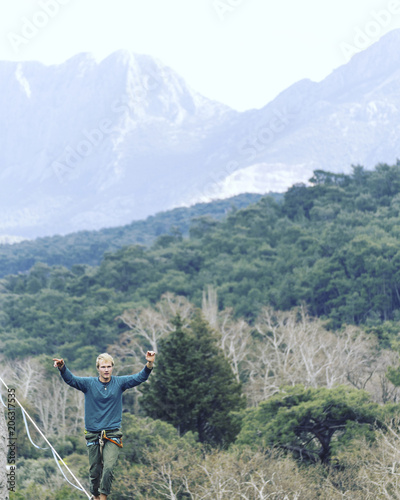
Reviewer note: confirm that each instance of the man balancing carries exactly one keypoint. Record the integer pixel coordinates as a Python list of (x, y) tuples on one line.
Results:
[(103, 416)]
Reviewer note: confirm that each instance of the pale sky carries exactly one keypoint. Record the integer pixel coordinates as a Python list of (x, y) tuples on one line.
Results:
[(239, 52)]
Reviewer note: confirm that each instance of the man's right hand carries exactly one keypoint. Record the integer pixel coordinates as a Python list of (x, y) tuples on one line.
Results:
[(58, 363)]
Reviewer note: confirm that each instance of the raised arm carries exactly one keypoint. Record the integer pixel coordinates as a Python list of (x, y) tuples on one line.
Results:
[(129, 381), (80, 383)]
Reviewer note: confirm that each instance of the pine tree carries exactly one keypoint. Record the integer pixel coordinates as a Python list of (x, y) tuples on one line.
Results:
[(193, 386), (313, 423)]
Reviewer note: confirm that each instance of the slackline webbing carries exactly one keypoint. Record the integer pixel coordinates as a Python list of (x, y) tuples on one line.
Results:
[(56, 456)]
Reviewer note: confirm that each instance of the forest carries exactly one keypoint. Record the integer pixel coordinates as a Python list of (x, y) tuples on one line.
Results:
[(88, 247), (287, 309)]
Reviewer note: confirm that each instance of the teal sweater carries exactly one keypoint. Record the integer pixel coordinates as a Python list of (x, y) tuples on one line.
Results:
[(103, 401)]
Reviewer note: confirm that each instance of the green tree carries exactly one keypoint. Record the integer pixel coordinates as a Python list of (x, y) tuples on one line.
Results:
[(311, 423), (140, 434), (193, 386)]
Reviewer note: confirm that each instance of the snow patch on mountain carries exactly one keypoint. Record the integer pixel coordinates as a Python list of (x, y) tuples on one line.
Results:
[(21, 79), (262, 178)]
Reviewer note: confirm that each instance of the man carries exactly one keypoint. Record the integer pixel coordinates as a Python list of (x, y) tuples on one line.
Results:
[(103, 416)]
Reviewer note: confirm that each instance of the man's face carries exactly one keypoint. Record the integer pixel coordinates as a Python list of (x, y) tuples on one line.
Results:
[(105, 371)]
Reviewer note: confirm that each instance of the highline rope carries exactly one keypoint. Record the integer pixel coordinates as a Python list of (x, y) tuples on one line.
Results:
[(56, 456)]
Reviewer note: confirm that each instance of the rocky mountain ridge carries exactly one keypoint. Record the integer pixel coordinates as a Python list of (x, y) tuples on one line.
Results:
[(86, 145)]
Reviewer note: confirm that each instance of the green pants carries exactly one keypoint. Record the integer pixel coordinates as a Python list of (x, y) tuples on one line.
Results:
[(101, 465)]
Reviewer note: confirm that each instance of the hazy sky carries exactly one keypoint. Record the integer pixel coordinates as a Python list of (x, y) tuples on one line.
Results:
[(239, 52)]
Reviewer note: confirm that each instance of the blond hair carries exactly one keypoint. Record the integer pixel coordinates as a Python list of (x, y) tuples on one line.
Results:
[(105, 357)]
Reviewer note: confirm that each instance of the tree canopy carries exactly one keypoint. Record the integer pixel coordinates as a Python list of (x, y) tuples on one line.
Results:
[(333, 245), (193, 386), (311, 423)]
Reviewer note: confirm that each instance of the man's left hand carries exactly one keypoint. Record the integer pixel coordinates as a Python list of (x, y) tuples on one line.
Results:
[(150, 356)]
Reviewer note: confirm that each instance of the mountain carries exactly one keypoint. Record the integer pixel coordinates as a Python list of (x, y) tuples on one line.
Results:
[(87, 145), (351, 117)]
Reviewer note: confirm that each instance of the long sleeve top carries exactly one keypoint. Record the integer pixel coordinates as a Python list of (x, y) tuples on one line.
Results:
[(103, 401)]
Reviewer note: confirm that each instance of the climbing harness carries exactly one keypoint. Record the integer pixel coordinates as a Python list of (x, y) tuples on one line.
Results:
[(103, 436), (56, 456), (101, 442)]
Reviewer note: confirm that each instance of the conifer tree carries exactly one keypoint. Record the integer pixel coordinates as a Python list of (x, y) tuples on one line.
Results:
[(193, 386), (312, 423)]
